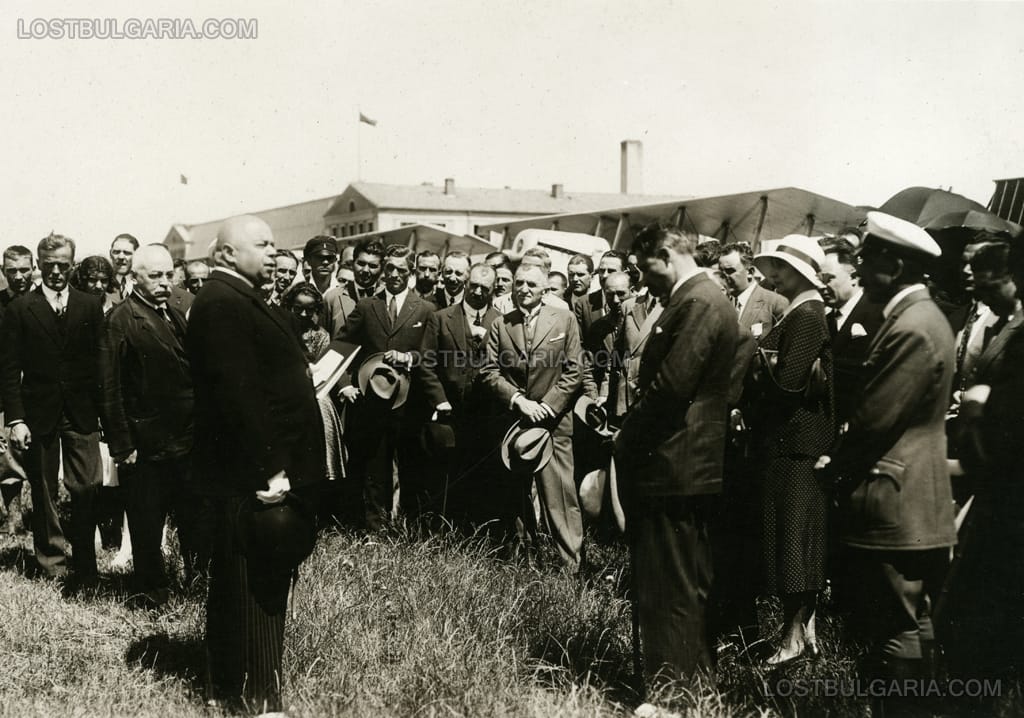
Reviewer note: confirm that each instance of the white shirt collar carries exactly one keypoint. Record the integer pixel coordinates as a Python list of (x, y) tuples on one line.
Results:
[(232, 272), (454, 298), (684, 277), (399, 299), (51, 296), (847, 308), (808, 295), (471, 313), (743, 297), (898, 297)]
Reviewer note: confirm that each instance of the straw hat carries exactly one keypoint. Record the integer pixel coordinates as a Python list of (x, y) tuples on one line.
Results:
[(798, 251)]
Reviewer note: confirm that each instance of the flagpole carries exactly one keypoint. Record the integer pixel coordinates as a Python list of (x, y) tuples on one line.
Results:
[(359, 146)]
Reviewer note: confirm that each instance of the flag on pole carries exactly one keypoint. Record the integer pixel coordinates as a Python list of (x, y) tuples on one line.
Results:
[(184, 179), (367, 120)]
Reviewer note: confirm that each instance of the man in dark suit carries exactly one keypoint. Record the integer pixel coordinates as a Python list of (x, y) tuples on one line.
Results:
[(147, 417), (258, 437), (122, 250), (454, 273), (17, 269), (534, 368), (451, 355), (580, 272), (895, 501), (428, 270), (367, 263), (393, 324), (759, 309), (592, 307), (853, 321), (670, 451), (50, 382), (604, 344)]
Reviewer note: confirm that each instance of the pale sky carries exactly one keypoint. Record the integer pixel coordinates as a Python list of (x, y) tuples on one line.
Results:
[(852, 100)]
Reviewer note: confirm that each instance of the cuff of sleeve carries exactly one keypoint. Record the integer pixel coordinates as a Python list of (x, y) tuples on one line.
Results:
[(512, 401)]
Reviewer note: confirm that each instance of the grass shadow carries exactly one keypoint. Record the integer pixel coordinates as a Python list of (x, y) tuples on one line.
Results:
[(178, 657)]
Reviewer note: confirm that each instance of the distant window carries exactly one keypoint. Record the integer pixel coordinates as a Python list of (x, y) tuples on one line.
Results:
[(344, 232), (369, 226), (361, 230), (476, 229), (352, 229), (351, 206)]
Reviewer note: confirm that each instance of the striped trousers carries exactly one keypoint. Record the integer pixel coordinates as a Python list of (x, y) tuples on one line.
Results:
[(245, 612)]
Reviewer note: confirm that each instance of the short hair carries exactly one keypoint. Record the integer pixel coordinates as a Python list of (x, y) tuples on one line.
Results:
[(505, 261), (656, 236), (992, 257), (560, 275), (427, 254), (289, 255), (844, 250), (131, 240), (582, 259), (16, 252), (52, 242), (541, 254), (744, 249), (398, 251), (298, 290), (708, 252), (457, 254), (179, 263), (370, 245), (615, 254), (93, 264)]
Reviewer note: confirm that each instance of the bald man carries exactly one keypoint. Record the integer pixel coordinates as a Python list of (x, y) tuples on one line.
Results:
[(147, 417), (258, 440)]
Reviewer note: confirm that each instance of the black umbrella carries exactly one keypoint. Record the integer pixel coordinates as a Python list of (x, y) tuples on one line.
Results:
[(974, 220), (921, 205)]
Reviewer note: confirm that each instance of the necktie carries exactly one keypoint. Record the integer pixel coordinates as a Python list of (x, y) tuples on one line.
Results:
[(965, 340), (165, 314), (61, 305), (478, 321), (833, 321), (529, 324), (393, 310)]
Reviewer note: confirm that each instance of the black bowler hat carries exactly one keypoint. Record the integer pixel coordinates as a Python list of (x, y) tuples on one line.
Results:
[(322, 244), (278, 536)]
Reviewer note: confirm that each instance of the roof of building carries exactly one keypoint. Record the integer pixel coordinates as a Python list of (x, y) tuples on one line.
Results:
[(291, 224), (481, 199)]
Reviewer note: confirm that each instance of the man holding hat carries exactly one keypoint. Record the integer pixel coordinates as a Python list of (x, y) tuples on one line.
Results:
[(670, 452), (320, 262), (534, 368), (390, 325), (896, 505), (258, 440)]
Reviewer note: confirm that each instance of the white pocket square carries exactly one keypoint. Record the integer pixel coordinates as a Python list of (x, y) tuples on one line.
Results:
[(757, 329), (555, 339), (417, 324), (858, 330), (658, 330)]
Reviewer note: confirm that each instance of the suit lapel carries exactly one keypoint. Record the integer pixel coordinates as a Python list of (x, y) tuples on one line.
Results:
[(515, 330), (456, 320), (44, 314), (911, 298), (410, 304), (996, 346), (545, 323)]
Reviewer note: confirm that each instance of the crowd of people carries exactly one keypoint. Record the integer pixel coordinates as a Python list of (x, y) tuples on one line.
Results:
[(807, 415)]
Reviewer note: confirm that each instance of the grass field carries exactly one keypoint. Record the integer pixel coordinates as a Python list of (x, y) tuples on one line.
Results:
[(393, 626)]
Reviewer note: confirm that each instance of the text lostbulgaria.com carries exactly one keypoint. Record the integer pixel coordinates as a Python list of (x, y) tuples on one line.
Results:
[(134, 28)]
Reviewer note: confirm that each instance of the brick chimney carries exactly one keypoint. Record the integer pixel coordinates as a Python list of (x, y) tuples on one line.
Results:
[(631, 167), (449, 186), (557, 191)]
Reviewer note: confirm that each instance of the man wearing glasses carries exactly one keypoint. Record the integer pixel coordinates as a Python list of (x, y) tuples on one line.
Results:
[(49, 378), (320, 262)]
